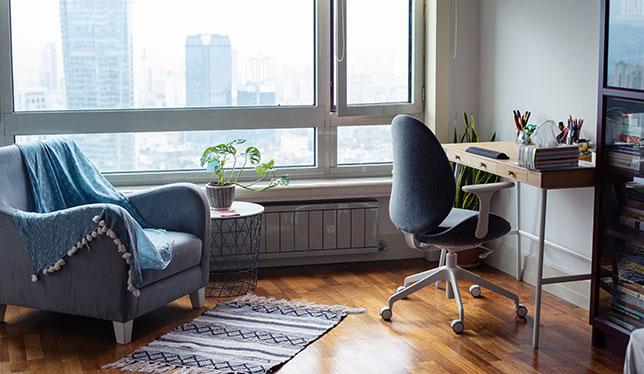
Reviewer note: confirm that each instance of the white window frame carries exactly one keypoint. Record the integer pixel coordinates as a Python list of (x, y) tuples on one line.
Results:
[(318, 116), (417, 22)]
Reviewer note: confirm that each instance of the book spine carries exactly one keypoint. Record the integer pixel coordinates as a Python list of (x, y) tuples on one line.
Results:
[(632, 313), (635, 195), (631, 222), (633, 212), (639, 205)]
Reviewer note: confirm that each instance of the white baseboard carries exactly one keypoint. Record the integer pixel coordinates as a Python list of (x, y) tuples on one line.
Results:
[(504, 259)]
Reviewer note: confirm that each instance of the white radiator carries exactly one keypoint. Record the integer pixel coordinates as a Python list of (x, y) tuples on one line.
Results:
[(319, 228)]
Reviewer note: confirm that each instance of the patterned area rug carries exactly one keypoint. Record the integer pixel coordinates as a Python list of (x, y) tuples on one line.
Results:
[(251, 334)]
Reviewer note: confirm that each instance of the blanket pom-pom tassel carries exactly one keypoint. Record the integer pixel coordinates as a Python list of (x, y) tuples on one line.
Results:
[(136, 292), (121, 248), (34, 278), (117, 241), (72, 251), (111, 234), (94, 234), (89, 237), (96, 219), (101, 224)]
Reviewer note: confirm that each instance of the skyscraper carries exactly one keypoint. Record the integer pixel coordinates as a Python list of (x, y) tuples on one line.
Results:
[(97, 53), (97, 59), (208, 70)]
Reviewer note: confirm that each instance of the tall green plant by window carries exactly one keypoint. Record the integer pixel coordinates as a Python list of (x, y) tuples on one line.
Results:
[(467, 175)]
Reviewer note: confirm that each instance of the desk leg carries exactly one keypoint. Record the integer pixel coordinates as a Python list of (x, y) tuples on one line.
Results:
[(537, 297), (518, 205)]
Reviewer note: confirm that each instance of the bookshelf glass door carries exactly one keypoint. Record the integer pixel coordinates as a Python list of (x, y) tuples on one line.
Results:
[(625, 64), (621, 271), (624, 120)]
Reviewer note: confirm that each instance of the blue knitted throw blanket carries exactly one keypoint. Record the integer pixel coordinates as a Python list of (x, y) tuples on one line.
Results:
[(75, 205)]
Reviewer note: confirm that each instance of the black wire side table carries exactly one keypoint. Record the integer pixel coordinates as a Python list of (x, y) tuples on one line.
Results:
[(234, 251)]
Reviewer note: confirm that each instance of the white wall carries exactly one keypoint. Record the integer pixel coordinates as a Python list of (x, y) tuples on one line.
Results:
[(464, 68), (542, 56)]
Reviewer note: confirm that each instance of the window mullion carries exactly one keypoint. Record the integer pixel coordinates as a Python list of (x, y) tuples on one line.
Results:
[(6, 97)]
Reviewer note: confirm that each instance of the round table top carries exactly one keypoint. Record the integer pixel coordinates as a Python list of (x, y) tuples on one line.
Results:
[(245, 209)]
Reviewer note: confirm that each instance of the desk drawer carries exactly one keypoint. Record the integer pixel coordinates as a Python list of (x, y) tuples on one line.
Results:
[(458, 157), (512, 172), (483, 163)]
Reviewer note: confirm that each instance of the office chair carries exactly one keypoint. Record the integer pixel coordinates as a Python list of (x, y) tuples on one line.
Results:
[(422, 197)]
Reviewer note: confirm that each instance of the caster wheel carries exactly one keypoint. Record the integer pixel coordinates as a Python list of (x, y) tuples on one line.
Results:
[(385, 313), (521, 310), (400, 289), (458, 326), (475, 290)]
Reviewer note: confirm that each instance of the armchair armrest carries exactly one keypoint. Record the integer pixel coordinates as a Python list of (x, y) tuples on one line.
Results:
[(175, 207), (484, 193)]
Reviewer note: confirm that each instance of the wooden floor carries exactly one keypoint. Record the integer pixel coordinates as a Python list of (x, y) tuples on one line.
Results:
[(417, 340)]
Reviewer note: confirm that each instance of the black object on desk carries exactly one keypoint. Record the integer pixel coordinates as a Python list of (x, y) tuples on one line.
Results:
[(487, 153)]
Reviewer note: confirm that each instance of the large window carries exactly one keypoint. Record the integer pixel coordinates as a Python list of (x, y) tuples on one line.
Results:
[(146, 85)]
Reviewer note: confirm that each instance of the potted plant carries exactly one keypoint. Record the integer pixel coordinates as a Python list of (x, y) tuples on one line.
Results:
[(221, 188)]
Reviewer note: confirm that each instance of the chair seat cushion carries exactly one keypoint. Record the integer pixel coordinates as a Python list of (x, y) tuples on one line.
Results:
[(186, 253), (458, 229)]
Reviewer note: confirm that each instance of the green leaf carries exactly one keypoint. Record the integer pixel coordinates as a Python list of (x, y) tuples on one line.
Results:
[(253, 155), (264, 168)]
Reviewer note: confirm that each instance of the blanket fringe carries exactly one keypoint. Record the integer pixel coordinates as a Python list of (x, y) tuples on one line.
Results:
[(101, 230), (271, 301)]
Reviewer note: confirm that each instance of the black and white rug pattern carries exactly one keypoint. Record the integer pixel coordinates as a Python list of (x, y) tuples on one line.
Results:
[(251, 334)]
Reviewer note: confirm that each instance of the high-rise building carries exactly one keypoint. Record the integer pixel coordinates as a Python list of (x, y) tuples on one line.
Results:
[(208, 70), (97, 53), (49, 67)]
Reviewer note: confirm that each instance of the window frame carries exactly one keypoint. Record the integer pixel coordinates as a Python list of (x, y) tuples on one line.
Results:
[(415, 106), (320, 115)]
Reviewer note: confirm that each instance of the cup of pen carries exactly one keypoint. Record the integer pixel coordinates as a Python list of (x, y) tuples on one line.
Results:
[(524, 130)]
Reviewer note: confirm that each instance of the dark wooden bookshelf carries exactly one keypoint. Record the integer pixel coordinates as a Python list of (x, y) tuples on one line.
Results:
[(620, 120)]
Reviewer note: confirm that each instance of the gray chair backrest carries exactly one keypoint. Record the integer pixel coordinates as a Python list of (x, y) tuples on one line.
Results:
[(15, 191), (423, 188)]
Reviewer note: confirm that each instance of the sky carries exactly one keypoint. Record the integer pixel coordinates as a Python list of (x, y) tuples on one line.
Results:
[(283, 29)]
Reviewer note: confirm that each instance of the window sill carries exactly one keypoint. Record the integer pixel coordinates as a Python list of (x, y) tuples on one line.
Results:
[(311, 189)]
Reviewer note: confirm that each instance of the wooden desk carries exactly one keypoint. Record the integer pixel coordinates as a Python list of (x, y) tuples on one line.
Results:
[(544, 180)]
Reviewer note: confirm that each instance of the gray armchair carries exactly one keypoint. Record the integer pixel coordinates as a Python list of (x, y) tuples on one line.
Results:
[(93, 284)]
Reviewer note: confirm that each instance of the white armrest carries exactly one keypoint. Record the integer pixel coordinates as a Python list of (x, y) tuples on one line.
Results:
[(484, 192), (413, 243)]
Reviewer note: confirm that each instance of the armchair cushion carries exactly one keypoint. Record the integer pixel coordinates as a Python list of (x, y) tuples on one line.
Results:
[(186, 253)]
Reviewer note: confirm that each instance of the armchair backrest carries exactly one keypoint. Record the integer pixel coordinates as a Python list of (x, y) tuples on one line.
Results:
[(14, 181), (423, 187)]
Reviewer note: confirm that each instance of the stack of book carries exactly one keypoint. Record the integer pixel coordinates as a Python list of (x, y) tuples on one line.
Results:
[(627, 306), (562, 157), (629, 156), (632, 214)]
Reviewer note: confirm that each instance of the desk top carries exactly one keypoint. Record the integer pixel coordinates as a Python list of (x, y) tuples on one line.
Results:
[(584, 176)]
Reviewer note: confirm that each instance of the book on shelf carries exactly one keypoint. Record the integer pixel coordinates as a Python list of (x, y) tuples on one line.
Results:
[(630, 268), (622, 320), (634, 223), (629, 156), (551, 158)]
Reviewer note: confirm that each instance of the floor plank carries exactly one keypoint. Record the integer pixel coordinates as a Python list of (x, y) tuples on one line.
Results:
[(417, 340)]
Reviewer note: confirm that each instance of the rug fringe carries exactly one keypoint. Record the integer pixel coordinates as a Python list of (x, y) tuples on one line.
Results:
[(130, 364), (271, 301)]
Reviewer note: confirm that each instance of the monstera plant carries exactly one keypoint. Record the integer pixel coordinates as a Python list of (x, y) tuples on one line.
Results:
[(217, 160)]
